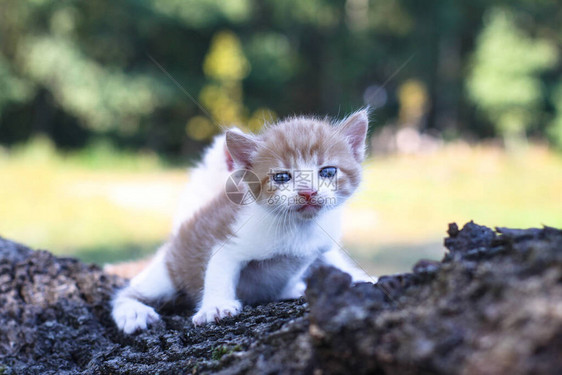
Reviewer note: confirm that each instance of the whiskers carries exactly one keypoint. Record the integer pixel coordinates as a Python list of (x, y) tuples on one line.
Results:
[(283, 220)]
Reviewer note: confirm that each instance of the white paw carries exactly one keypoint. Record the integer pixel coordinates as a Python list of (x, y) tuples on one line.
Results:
[(213, 312), (294, 291), (131, 315)]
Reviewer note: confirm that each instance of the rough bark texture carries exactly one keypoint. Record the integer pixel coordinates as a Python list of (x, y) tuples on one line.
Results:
[(492, 306)]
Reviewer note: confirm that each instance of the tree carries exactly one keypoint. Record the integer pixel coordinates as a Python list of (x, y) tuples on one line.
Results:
[(504, 80)]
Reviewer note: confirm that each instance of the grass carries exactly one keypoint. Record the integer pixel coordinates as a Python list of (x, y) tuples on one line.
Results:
[(405, 203), (412, 198), (75, 204), (105, 206)]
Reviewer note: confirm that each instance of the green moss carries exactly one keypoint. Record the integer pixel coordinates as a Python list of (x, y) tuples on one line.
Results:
[(223, 350)]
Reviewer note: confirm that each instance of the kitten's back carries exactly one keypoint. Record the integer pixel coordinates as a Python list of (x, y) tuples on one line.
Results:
[(206, 182)]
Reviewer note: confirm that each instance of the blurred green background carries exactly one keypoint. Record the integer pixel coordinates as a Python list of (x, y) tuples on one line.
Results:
[(97, 120)]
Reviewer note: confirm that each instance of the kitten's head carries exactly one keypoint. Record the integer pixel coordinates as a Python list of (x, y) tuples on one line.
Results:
[(305, 165)]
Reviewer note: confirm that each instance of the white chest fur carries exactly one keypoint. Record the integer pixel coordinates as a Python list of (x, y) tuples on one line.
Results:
[(258, 235), (274, 252), (264, 260)]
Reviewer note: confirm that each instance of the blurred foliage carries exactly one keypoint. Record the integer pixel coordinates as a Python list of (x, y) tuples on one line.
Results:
[(99, 155), (555, 129), (412, 95), (79, 71), (505, 79), (226, 66)]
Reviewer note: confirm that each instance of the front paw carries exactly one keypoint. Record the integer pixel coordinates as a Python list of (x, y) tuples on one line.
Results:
[(131, 315), (213, 312)]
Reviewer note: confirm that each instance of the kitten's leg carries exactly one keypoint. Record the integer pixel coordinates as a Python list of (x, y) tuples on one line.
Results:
[(293, 290), (153, 283), (219, 292), (296, 286), (335, 257)]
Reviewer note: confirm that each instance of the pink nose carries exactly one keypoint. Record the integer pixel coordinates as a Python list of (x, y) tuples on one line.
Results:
[(307, 194)]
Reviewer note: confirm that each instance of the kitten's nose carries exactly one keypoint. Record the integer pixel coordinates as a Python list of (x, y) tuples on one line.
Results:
[(307, 194)]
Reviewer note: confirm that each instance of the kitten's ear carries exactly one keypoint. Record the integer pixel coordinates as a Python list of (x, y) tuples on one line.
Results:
[(241, 147), (354, 128)]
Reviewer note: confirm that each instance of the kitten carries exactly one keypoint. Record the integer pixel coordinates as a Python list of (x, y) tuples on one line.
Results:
[(225, 251)]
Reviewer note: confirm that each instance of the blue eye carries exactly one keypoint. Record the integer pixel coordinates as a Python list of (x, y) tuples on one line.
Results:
[(328, 172), (281, 177)]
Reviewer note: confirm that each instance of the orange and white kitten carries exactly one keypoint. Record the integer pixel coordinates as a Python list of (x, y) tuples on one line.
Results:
[(226, 251)]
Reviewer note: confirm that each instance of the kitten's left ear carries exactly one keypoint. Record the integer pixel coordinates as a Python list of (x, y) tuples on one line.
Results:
[(354, 128), (241, 147)]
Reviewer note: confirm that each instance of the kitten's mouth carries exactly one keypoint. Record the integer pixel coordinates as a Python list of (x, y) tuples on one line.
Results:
[(309, 208)]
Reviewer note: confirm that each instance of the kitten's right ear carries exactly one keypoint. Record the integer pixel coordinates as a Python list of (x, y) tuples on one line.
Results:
[(241, 147), (354, 128)]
